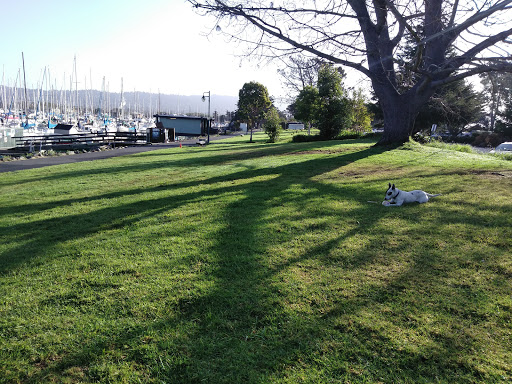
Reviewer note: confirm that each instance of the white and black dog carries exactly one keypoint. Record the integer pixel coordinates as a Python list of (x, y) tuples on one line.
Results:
[(396, 197)]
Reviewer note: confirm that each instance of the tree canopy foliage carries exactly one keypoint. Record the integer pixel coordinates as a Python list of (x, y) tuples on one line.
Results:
[(453, 106), (333, 111), (497, 90), (458, 39), (360, 115), (272, 124), (329, 105), (253, 104), (305, 106)]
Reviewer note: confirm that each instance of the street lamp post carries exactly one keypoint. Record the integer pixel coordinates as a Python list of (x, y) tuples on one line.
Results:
[(207, 95)]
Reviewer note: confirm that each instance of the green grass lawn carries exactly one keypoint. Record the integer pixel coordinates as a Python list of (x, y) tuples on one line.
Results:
[(258, 263)]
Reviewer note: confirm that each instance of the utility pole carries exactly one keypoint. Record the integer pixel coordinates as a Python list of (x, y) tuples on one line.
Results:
[(207, 95)]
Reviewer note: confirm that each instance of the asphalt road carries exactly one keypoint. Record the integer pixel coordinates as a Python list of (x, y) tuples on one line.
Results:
[(18, 165)]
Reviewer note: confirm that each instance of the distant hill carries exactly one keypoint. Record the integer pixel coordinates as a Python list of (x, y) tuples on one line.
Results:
[(134, 101), (178, 104)]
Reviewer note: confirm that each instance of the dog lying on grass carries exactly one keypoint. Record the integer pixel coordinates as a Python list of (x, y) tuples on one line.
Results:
[(396, 197)]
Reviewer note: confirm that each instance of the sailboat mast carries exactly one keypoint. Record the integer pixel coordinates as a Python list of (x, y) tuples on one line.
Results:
[(76, 90), (91, 92), (108, 100), (101, 98), (86, 95), (122, 100), (25, 84), (3, 88)]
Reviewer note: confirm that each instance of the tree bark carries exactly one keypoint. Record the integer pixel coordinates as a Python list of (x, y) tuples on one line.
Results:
[(398, 122), (400, 111), (440, 29)]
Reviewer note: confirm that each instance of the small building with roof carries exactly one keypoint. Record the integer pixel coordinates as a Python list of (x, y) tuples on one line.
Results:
[(170, 126)]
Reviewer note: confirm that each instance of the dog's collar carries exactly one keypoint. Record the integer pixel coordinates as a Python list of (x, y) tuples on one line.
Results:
[(394, 197)]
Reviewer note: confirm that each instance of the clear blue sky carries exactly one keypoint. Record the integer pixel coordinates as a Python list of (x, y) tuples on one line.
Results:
[(151, 44)]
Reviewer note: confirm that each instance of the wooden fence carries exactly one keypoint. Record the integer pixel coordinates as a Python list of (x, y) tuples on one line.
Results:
[(40, 142)]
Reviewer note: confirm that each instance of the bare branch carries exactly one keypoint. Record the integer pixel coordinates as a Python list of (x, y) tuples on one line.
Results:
[(472, 53), (472, 72), (456, 30), (406, 48), (402, 20), (454, 13)]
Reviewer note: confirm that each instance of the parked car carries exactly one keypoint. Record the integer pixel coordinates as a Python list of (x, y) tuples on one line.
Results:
[(505, 147)]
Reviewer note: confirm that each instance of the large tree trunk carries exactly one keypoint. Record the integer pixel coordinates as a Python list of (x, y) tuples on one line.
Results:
[(400, 113), (399, 116)]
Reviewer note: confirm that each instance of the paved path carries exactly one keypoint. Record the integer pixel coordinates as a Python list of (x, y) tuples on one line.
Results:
[(18, 165)]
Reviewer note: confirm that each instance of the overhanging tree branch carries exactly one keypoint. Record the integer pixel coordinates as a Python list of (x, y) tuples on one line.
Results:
[(454, 31), (357, 34), (472, 53), (259, 23)]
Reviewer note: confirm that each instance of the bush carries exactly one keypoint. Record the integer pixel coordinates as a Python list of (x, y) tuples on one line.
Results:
[(504, 129), (355, 134), (452, 147), (488, 140), (463, 139), (306, 138), (420, 138), (272, 125), (503, 156), (344, 135), (334, 108)]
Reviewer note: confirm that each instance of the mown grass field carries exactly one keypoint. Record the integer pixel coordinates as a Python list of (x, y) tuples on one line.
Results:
[(258, 263)]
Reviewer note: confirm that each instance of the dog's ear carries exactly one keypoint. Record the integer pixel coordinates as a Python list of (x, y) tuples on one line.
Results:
[(393, 187), (389, 185)]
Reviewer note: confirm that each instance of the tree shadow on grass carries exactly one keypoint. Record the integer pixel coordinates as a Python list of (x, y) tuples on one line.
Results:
[(145, 161), (242, 328), (38, 240), (48, 231), (264, 338)]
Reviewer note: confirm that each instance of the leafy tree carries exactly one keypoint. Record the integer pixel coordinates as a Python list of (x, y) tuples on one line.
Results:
[(333, 112), (253, 104), (504, 124), (305, 107), (497, 88), (361, 118), (454, 106), (272, 124), (368, 36)]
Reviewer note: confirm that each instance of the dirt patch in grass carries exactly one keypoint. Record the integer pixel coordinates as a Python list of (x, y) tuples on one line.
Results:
[(491, 174), (45, 363), (396, 172), (327, 151), (371, 171)]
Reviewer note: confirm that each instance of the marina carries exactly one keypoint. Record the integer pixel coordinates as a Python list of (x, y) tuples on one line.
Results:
[(49, 110)]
